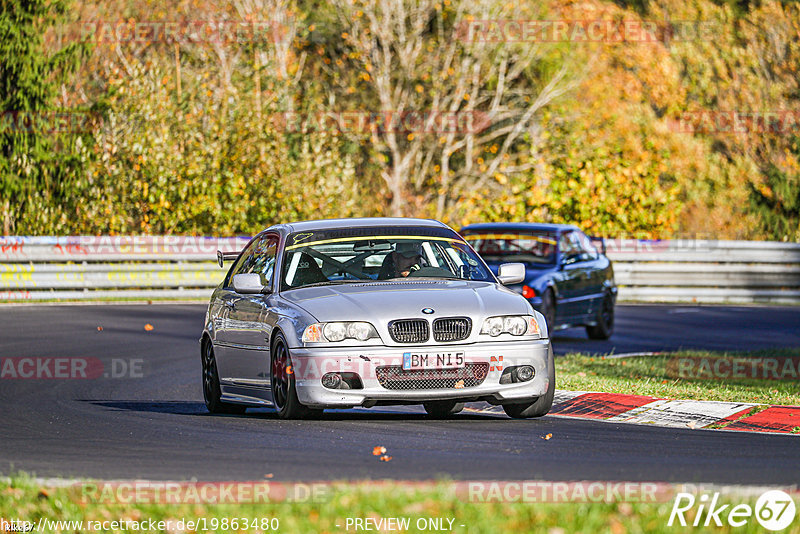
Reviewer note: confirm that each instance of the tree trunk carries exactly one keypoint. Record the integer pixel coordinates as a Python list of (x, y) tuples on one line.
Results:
[(395, 181), (6, 218)]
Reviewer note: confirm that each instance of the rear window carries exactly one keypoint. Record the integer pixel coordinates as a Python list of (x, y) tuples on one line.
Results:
[(526, 247)]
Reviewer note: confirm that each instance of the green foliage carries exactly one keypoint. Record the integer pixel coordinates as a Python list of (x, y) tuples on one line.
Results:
[(192, 141), (37, 168), (206, 162), (776, 201)]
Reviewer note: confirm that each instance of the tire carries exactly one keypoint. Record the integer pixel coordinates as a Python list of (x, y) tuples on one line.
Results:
[(211, 390), (282, 380), (541, 405), (549, 309), (443, 409), (605, 320)]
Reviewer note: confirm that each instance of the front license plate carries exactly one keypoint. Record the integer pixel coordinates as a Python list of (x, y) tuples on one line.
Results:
[(432, 360)]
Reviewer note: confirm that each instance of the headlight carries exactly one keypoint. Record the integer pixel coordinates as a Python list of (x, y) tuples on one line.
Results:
[(338, 331), (360, 331), (516, 325), (313, 333), (334, 331)]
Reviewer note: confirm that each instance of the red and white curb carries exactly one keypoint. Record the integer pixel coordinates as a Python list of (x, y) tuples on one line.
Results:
[(646, 410)]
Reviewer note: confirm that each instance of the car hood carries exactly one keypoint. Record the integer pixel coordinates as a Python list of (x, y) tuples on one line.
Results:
[(386, 301)]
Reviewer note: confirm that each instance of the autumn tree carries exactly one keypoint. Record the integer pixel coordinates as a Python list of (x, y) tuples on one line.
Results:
[(476, 97), (776, 200), (39, 156), (187, 144)]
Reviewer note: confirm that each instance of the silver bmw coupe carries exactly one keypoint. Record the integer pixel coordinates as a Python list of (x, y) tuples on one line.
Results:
[(370, 312)]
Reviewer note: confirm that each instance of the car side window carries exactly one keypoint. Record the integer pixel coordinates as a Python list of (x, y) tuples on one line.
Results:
[(587, 247), (244, 258), (569, 247), (259, 257)]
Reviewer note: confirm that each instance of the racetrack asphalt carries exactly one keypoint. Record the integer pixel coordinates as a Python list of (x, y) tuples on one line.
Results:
[(155, 426)]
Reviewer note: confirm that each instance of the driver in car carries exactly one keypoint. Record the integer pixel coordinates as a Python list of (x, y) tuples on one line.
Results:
[(402, 261)]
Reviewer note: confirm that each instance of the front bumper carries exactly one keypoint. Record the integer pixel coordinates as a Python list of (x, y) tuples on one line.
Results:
[(311, 363)]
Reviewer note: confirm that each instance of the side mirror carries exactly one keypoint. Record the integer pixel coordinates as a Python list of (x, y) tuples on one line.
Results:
[(225, 256), (511, 273), (246, 283)]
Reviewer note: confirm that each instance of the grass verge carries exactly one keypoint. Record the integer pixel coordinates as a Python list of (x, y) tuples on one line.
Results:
[(23, 499), (699, 375)]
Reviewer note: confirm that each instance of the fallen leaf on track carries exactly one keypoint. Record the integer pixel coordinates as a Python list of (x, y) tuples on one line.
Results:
[(385, 458), (548, 436), (377, 451), (148, 327), (99, 328)]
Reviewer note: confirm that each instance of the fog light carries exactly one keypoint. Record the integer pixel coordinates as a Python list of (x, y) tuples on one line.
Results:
[(524, 373), (331, 380)]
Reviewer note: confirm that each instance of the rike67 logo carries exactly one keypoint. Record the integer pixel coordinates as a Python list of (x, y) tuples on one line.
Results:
[(774, 510)]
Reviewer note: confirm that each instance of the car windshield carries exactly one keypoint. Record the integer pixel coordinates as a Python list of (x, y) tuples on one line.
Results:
[(527, 246), (376, 254)]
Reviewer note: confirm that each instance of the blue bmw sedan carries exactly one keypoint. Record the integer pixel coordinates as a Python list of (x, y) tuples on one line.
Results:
[(568, 280)]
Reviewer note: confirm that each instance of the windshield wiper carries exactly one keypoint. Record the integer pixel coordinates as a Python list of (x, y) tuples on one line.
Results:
[(413, 278)]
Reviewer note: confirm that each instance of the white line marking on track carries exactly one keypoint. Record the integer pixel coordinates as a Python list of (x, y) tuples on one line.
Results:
[(679, 413)]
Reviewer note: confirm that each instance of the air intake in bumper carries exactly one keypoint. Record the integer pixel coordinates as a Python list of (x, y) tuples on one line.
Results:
[(394, 377)]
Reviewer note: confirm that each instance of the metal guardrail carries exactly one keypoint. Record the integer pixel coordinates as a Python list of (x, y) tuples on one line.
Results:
[(111, 267), (706, 271), (152, 267)]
